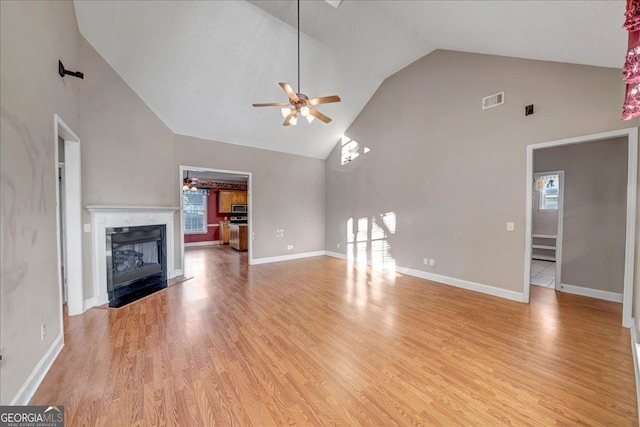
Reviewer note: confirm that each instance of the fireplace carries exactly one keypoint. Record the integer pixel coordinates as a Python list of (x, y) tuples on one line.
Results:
[(141, 220), (136, 262)]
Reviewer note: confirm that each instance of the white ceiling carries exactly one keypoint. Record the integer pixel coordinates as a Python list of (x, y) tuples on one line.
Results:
[(201, 64)]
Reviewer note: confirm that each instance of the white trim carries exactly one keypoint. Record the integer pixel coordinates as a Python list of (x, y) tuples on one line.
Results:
[(29, 387), (560, 231), (545, 236), (206, 243), (464, 284), (335, 255), (630, 244), (89, 303), (120, 208), (632, 188), (213, 225), (73, 218), (177, 273), (589, 292), (267, 260), (635, 349), (451, 281)]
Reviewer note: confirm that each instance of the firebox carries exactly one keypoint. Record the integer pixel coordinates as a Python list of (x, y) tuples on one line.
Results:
[(136, 262)]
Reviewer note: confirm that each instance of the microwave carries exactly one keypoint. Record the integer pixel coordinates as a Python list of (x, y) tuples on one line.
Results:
[(239, 209)]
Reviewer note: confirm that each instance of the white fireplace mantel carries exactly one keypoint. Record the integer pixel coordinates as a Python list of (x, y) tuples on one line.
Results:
[(106, 216)]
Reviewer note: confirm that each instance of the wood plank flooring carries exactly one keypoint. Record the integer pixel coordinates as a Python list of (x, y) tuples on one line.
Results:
[(320, 341)]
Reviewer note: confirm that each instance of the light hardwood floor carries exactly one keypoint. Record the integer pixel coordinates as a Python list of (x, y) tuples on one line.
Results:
[(320, 341)]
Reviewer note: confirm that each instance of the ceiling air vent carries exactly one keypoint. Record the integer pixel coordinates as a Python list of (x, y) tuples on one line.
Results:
[(493, 100)]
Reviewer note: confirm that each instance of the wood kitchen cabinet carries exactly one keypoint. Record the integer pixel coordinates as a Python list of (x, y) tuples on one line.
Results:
[(224, 232), (238, 237), (228, 198)]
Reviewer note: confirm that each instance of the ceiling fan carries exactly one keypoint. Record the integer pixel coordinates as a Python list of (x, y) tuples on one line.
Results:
[(300, 103)]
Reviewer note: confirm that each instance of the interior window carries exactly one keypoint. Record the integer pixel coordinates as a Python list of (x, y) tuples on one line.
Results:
[(195, 211)]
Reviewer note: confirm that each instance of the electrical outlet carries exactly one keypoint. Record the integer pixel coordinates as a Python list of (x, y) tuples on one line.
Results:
[(43, 331), (511, 226), (425, 261), (432, 262), (338, 246), (289, 247)]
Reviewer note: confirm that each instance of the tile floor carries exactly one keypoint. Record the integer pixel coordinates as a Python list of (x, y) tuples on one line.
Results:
[(543, 273)]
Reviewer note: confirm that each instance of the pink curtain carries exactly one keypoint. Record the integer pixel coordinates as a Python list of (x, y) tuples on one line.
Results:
[(631, 69)]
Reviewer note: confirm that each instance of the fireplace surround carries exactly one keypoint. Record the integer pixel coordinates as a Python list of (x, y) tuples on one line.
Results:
[(127, 221)]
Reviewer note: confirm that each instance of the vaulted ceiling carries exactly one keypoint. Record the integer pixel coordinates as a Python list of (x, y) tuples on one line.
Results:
[(200, 65)]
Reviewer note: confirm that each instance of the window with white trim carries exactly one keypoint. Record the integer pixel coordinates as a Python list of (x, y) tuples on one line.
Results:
[(349, 150), (549, 189), (195, 211)]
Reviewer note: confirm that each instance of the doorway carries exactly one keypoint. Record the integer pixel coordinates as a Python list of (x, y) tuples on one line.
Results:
[(69, 217), (630, 135), (546, 228), (215, 210)]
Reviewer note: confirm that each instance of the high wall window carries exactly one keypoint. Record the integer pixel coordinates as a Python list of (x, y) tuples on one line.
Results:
[(349, 150), (195, 211)]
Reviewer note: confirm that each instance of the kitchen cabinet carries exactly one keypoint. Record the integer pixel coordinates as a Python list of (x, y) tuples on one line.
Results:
[(224, 232), (238, 236), (228, 198)]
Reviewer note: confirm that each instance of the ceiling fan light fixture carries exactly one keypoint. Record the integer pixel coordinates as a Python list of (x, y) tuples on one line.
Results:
[(299, 100)]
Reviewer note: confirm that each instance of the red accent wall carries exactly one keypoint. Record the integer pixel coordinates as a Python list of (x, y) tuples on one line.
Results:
[(213, 233)]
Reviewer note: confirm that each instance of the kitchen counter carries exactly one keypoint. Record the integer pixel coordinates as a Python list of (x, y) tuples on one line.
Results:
[(238, 236)]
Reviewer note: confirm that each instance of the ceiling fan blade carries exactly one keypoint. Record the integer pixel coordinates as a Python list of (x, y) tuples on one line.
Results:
[(318, 115), (273, 104), (287, 121), (323, 100), (290, 93)]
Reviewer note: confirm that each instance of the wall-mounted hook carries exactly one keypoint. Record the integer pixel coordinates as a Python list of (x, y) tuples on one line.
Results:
[(62, 71)]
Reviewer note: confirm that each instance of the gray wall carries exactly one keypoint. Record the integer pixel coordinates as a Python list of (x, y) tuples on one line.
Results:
[(127, 151), (129, 157), (453, 173), (288, 192), (595, 193), (34, 35)]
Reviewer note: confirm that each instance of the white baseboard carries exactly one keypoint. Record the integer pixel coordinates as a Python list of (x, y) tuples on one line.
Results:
[(593, 293), (206, 243), (451, 281), (88, 303), (635, 348), (32, 383), (266, 260), (176, 273), (464, 284), (335, 254)]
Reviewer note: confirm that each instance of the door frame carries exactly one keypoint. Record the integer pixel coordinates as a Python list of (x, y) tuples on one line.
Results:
[(181, 171), (632, 187), (73, 217), (559, 225)]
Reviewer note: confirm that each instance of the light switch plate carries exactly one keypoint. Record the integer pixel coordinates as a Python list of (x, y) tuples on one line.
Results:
[(87, 228), (511, 226)]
